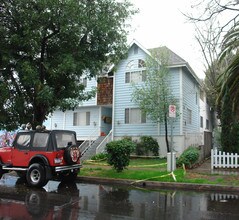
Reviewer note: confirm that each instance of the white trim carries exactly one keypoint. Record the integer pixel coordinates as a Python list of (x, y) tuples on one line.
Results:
[(113, 107), (181, 99), (140, 46)]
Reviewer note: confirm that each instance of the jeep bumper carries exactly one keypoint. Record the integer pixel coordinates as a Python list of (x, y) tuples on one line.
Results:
[(70, 167)]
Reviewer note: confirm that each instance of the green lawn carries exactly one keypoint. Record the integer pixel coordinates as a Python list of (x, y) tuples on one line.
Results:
[(153, 170)]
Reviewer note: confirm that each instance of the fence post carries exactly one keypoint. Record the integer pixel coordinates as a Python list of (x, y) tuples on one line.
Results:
[(212, 158)]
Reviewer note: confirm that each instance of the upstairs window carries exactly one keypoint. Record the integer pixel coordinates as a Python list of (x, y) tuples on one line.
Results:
[(135, 76), (134, 116), (141, 63), (136, 49), (130, 65), (207, 124), (201, 121)]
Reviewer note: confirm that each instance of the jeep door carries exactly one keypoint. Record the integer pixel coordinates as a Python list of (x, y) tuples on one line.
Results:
[(21, 149)]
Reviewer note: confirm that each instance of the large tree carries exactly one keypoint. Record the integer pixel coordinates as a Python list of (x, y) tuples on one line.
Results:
[(213, 19), (154, 96), (47, 46)]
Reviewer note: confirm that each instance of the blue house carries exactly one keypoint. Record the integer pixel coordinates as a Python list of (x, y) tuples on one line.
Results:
[(112, 114)]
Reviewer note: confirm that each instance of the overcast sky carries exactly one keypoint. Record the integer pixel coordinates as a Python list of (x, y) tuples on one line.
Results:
[(161, 23)]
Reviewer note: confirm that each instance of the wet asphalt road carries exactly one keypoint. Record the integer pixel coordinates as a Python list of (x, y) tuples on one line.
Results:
[(59, 200)]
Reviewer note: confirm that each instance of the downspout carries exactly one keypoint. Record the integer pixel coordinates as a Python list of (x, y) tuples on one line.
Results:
[(113, 109)]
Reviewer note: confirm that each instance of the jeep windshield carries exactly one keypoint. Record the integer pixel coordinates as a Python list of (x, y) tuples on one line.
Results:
[(64, 139)]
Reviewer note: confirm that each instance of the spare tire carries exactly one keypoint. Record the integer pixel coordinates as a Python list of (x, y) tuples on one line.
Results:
[(72, 154)]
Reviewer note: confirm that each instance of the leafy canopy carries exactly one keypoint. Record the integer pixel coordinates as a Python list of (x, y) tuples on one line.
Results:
[(47, 46)]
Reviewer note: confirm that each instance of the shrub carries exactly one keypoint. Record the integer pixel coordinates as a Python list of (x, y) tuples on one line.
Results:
[(119, 153), (189, 157), (147, 144), (100, 156)]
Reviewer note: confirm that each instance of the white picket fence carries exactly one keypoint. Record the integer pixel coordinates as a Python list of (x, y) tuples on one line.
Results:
[(221, 159)]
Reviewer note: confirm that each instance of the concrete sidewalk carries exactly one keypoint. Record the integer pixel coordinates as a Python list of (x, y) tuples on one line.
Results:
[(205, 168)]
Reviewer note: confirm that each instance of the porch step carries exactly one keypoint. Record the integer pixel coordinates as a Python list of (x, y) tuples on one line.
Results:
[(91, 151)]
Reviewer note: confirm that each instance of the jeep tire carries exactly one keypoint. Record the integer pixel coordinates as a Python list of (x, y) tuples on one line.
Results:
[(72, 154), (36, 175)]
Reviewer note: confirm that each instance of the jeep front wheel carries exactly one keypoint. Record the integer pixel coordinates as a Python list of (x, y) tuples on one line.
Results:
[(36, 175)]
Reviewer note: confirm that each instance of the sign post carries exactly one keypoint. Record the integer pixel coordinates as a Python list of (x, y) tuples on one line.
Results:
[(172, 115)]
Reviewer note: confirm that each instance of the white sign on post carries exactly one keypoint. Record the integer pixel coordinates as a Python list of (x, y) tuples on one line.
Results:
[(172, 111)]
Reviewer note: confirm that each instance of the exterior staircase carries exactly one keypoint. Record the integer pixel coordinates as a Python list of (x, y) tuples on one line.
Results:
[(88, 148)]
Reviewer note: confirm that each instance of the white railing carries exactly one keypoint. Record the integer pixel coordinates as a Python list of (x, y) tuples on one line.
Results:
[(89, 141), (106, 140), (221, 159)]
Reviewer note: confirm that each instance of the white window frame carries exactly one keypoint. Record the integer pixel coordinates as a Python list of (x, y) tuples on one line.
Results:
[(81, 118), (135, 76), (134, 116)]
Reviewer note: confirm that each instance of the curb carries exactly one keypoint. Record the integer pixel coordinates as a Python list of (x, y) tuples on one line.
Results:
[(158, 185)]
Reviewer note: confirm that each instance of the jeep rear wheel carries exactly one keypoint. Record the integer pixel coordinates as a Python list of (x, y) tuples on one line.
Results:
[(36, 175), (72, 154)]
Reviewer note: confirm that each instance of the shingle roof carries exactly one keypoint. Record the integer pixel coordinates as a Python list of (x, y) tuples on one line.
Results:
[(174, 59)]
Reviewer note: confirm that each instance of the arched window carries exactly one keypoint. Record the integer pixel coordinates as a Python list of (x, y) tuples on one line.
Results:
[(130, 65)]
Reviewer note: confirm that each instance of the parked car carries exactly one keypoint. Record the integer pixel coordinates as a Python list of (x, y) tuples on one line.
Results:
[(42, 155)]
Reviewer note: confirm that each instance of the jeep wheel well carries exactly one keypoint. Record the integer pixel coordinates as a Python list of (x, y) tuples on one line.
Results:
[(39, 159)]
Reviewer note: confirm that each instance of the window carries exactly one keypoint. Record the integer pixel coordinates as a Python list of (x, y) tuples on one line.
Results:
[(130, 65), (83, 81), (207, 124), (136, 49), (81, 118), (202, 95), (201, 121), (189, 116), (40, 140), (134, 116), (24, 140), (141, 63), (135, 77), (64, 139)]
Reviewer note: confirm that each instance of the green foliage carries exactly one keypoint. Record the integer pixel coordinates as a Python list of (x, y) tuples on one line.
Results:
[(119, 153), (146, 145), (154, 96), (189, 157), (100, 156), (46, 49), (230, 128)]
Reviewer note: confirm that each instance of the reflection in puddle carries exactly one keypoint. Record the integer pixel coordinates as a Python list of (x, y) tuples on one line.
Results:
[(61, 200)]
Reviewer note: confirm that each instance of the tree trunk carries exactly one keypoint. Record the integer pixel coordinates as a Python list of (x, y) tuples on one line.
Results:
[(166, 132)]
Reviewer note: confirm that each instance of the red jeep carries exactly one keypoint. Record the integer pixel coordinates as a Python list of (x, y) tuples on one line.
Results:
[(40, 156)]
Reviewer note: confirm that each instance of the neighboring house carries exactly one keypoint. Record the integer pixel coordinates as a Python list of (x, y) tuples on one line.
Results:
[(113, 110)]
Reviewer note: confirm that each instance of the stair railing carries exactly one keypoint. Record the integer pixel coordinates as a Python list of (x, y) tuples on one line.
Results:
[(107, 139), (89, 141)]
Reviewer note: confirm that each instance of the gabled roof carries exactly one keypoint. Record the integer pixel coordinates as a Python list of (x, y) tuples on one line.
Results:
[(174, 59)]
